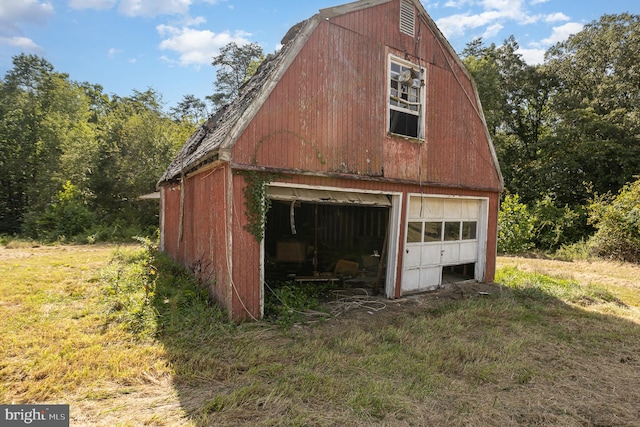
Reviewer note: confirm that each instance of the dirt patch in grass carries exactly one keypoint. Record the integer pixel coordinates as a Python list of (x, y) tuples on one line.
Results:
[(358, 305)]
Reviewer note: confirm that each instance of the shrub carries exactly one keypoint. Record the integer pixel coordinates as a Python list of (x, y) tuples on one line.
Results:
[(617, 221), (581, 250), (555, 226), (148, 294), (130, 288), (67, 217), (515, 226)]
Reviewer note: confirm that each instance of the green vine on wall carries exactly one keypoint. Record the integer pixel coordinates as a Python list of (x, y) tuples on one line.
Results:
[(256, 202)]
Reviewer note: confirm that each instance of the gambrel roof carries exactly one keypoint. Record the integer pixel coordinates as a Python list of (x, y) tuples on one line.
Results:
[(215, 138), (222, 129)]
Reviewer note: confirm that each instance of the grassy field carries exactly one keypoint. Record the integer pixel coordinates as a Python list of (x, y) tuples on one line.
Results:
[(126, 339)]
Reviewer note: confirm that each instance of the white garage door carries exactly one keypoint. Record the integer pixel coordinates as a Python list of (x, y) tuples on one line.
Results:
[(442, 232)]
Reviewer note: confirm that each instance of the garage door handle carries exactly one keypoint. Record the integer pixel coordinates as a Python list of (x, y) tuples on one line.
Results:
[(407, 250)]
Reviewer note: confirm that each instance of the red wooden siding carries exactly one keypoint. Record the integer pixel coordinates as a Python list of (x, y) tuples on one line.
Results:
[(170, 213), (328, 112), (245, 286), (203, 247), (327, 115), (208, 211), (314, 119)]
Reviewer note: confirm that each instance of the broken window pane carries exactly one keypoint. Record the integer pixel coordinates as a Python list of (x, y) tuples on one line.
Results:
[(403, 124), (405, 109)]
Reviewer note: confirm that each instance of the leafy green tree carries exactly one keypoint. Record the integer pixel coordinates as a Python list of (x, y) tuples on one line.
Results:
[(555, 226), (68, 151), (515, 98), (136, 142), (481, 61), (190, 108), (515, 226), (236, 64), (68, 216), (617, 221), (596, 141), (40, 111), (567, 128)]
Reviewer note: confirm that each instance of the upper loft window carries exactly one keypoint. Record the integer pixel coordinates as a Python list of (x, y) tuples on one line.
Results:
[(406, 99), (407, 17)]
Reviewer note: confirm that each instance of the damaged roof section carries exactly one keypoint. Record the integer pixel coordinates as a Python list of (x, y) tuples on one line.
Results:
[(223, 127)]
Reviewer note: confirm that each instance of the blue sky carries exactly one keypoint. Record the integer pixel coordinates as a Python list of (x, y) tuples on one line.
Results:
[(168, 44)]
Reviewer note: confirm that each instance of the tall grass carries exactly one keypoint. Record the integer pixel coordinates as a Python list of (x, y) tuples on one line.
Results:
[(538, 349), (541, 288)]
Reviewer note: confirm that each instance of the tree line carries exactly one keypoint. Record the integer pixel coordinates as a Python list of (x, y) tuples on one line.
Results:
[(567, 135), (75, 160), (566, 132)]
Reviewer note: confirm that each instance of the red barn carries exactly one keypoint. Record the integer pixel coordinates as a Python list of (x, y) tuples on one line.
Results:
[(360, 148)]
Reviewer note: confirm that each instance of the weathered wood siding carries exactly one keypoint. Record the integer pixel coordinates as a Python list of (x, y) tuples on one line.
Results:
[(327, 118), (211, 253), (329, 111), (246, 286), (203, 248)]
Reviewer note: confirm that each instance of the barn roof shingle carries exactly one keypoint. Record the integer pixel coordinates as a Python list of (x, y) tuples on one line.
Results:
[(218, 131)]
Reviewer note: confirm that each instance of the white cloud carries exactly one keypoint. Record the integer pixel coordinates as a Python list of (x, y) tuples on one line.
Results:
[(506, 8), (532, 56), (456, 25), (15, 13), (457, 3), (536, 51), (113, 52), (562, 33), (154, 7), (495, 13), (196, 47), (556, 17), (492, 31), (193, 22), (534, 2), (92, 4), (22, 43)]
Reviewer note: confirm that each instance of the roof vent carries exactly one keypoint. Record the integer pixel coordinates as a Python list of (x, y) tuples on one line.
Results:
[(407, 17)]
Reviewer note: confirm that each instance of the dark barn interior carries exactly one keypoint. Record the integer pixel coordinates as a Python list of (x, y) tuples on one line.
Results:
[(316, 242)]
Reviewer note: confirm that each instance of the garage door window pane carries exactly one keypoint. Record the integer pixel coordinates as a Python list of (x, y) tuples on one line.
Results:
[(451, 231), (414, 232), (469, 230), (432, 231)]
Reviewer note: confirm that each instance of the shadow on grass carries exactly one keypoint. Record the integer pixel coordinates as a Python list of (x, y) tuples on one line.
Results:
[(534, 352)]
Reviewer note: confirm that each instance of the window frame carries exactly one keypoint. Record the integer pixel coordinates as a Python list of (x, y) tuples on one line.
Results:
[(413, 231), (420, 98)]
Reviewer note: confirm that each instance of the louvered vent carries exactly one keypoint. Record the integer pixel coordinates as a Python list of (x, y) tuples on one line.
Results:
[(407, 17)]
